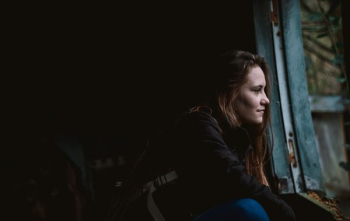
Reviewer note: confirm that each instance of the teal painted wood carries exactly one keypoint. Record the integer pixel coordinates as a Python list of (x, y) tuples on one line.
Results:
[(305, 135), (264, 45)]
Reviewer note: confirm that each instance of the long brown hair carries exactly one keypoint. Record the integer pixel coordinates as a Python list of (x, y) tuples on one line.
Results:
[(234, 67)]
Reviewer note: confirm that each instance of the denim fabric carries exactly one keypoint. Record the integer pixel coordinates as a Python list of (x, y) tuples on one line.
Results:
[(236, 210)]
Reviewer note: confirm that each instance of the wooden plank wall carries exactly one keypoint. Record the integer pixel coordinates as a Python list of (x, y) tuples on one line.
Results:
[(330, 136)]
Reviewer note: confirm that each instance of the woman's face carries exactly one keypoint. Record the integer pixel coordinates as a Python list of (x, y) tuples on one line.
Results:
[(251, 102)]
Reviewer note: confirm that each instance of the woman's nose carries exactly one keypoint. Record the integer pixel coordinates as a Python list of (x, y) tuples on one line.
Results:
[(265, 100)]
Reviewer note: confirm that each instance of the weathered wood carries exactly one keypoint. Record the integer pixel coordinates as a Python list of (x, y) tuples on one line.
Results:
[(305, 135), (330, 144), (323, 104)]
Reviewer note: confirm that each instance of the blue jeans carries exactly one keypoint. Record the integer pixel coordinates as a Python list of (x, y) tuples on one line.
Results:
[(235, 210)]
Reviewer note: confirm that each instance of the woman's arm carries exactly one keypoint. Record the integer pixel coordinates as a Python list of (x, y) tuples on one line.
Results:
[(206, 155)]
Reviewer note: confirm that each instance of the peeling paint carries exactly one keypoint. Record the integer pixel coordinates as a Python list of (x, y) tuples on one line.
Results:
[(300, 183), (312, 184), (285, 185)]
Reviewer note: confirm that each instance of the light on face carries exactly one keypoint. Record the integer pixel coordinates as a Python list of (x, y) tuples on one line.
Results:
[(250, 106)]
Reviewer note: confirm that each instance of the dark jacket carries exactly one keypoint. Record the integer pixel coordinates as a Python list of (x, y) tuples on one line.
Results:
[(211, 167)]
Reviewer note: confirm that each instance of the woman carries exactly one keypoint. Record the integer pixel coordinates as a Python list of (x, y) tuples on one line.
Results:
[(218, 149)]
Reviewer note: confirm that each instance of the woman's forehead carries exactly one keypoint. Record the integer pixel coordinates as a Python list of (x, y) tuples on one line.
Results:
[(256, 76)]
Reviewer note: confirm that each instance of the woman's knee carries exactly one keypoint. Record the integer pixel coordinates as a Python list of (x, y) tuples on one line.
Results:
[(248, 209), (235, 210)]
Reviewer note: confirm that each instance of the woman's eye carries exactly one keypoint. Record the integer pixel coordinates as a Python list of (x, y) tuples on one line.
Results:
[(257, 90)]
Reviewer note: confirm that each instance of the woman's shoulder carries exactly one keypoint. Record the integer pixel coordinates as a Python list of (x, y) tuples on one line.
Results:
[(198, 117)]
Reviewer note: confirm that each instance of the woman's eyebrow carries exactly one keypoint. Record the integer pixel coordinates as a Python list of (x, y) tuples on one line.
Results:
[(258, 86)]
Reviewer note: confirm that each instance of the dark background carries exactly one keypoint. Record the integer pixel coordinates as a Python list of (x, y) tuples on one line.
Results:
[(130, 64), (111, 76)]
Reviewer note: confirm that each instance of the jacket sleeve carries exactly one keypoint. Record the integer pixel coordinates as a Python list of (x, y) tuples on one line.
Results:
[(208, 155)]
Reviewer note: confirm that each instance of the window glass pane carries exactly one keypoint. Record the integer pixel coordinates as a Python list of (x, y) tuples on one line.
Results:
[(323, 41), (323, 46)]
